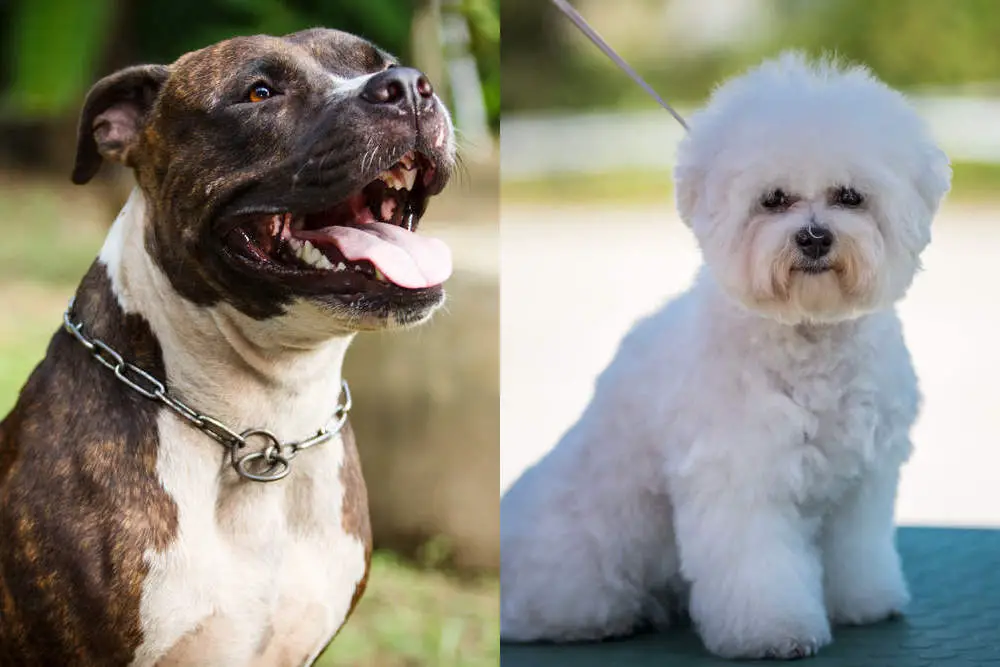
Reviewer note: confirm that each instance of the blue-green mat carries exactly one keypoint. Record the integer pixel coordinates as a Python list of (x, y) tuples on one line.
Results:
[(953, 620)]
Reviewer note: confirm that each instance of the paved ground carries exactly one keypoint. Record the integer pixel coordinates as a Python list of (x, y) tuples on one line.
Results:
[(574, 280)]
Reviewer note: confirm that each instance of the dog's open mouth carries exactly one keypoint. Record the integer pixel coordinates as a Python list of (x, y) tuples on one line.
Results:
[(371, 235)]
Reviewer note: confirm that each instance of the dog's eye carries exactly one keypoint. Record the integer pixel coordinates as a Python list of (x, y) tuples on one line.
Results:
[(848, 198), (259, 92), (775, 200)]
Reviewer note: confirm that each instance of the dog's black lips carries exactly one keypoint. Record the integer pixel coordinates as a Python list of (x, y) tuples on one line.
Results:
[(813, 269)]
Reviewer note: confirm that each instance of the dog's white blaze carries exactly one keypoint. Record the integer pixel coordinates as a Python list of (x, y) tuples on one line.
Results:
[(349, 86), (258, 574)]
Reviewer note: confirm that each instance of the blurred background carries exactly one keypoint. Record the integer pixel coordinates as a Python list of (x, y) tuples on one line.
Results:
[(425, 401), (590, 240)]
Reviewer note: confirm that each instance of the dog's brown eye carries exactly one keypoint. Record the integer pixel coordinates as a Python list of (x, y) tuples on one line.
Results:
[(260, 92), (775, 200), (848, 198)]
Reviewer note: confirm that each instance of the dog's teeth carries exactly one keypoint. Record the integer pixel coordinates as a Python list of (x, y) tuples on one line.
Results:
[(313, 255), (379, 275), (391, 179), (276, 223), (409, 178), (407, 160), (340, 267), (306, 253), (323, 263), (310, 254)]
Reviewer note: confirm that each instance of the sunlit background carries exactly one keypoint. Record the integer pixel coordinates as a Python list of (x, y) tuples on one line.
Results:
[(591, 240), (425, 401)]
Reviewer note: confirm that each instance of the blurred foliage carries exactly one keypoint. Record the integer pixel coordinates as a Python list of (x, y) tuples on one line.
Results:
[(936, 42), (198, 23), (55, 49), (411, 616), (908, 44), (484, 28), (972, 183), (39, 82)]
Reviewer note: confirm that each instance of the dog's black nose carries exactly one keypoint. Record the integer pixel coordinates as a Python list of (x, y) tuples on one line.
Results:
[(814, 241), (404, 87)]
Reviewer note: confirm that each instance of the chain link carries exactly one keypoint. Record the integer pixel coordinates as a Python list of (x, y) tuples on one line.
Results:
[(268, 464)]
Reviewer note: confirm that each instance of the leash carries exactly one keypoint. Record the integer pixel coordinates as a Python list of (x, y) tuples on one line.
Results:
[(581, 23), (277, 456)]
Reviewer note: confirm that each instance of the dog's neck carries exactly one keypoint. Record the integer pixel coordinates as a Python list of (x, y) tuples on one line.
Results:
[(283, 374), (722, 308)]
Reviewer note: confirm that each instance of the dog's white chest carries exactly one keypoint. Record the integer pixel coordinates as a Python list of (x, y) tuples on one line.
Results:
[(260, 573), (843, 426)]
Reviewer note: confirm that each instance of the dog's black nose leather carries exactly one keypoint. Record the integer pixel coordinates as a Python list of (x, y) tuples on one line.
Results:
[(404, 87), (814, 241)]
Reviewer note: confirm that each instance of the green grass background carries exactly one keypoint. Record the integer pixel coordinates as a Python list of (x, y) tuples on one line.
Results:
[(970, 182)]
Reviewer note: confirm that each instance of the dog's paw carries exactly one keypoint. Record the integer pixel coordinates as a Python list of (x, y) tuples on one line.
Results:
[(788, 635), (866, 595), (793, 649), (862, 606), (774, 647)]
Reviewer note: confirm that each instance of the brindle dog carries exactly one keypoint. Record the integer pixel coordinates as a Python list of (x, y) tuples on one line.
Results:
[(280, 184)]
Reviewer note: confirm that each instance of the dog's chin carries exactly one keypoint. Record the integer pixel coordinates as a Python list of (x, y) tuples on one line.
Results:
[(359, 257), (384, 312), (812, 293)]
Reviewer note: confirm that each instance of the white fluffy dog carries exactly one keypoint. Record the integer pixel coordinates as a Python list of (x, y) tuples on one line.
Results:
[(740, 457)]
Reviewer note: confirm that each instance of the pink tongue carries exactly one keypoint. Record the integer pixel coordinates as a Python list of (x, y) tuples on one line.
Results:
[(408, 260)]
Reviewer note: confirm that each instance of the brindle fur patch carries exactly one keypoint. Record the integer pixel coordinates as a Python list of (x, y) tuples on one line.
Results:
[(355, 519), (80, 501)]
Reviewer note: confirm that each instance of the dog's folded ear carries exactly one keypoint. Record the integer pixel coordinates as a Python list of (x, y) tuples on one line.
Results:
[(113, 116), (688, 181)]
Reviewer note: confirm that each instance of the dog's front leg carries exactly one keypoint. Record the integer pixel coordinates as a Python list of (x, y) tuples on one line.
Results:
[(864, 581), (750, 557)]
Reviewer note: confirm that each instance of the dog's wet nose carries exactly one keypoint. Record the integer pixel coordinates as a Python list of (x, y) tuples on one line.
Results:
[(404, 87), (814, 241)]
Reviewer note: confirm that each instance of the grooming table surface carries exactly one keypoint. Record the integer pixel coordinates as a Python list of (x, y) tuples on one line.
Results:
[(953, 620)]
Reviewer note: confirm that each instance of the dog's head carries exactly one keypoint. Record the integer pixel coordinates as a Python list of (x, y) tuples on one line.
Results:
[(282, 172), (811, 190)]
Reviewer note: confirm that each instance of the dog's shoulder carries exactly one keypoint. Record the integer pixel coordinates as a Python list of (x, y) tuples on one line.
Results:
[(80, 502)]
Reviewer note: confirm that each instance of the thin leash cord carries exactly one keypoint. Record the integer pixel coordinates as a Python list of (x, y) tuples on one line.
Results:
[(581, 23)]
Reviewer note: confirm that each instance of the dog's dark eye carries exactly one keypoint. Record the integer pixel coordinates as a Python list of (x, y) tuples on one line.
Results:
[(848, 198), (259, 92), (775, 200)]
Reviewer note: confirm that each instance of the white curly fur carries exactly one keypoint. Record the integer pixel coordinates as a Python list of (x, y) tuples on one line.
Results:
[(740, 457)]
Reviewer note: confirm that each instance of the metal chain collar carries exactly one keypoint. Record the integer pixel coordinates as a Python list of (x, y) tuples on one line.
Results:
[(269, 464)]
